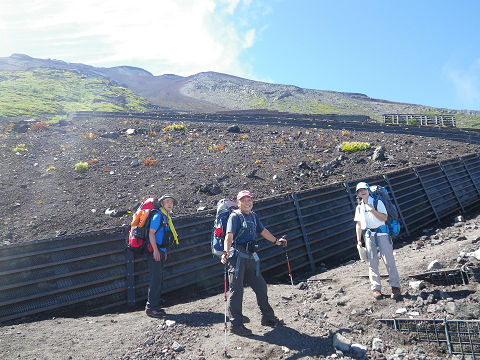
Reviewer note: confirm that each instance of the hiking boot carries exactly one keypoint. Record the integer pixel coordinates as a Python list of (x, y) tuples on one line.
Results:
[(272, 322), (240, 330), (155, 313), (377, 295), (396, 294)]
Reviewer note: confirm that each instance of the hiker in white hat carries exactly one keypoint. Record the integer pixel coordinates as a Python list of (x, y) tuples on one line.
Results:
[(370, 222)]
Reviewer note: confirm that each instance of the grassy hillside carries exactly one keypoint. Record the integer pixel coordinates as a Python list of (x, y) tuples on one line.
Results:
[(55, 88), (52, 94)]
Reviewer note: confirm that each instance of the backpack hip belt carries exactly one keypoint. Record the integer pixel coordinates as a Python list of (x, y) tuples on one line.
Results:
[(376, 230), (243, 247), (242, 255)]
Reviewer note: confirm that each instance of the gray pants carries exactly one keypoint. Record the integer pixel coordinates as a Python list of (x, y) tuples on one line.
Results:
[(156, 281), (382, 243), (246, 271)]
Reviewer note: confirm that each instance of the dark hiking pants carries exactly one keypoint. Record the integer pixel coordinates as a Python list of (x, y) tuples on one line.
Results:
[(156, 281), (246, 272)]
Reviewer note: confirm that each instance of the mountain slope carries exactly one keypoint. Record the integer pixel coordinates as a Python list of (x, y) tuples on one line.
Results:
[(52, 93), (212, 92)]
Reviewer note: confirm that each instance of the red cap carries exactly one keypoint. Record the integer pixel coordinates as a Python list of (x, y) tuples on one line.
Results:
[(244, 193)]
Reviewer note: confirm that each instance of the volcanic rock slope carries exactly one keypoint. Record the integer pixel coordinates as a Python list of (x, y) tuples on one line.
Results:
[(128, 159), (212, 92)]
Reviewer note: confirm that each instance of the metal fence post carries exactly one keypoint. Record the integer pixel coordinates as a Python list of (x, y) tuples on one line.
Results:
[(447, 336), (347, 188), (426, 193), (130, 280), (470, 174), (304, 233), (451, 186)]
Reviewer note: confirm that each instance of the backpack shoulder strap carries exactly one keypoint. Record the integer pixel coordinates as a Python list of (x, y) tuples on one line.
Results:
[(241, 230), (150, 216), (254, 220)]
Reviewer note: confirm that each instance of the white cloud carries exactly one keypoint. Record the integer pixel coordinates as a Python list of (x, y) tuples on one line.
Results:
[(249, 38), (466, 83), (168, 36)]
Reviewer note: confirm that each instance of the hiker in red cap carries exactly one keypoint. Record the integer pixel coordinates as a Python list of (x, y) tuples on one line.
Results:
[(243, 263)]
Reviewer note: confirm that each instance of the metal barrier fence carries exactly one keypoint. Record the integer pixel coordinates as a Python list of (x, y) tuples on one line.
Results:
[(351, 123), (461, 337), (420, 119), (93, 270), (241, 116)]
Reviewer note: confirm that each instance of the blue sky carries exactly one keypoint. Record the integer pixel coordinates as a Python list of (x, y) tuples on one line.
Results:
[(422, 52)]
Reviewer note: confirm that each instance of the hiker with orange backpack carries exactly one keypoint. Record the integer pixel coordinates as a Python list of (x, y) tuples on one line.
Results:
[(161, 236)]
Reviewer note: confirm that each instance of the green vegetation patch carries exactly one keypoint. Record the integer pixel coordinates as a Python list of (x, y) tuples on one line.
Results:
[(293, 104), (20, 148), (353, 146), (175, 127), (317, 107), (52, 93), (81, 167)]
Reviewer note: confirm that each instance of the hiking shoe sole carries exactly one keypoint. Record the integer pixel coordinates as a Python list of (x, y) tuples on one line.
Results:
[(241, 331), (272, 322), (396, 293), (377, 295), (156, 313)]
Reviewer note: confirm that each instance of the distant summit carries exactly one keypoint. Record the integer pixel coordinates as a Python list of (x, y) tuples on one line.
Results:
[(212, 91)]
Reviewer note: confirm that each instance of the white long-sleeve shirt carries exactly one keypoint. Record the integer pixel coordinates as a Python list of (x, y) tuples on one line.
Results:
[(367, 219)]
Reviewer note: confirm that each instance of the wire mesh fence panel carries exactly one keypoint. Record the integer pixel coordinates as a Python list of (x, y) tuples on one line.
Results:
[(328, 217), (464, 337), (438, 189), (460, 337), (444, 277), (460, 182), (54, 272), (411, 200)]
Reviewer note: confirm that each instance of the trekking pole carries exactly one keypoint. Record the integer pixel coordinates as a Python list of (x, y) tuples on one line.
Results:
[(225, 301), (288, 263)]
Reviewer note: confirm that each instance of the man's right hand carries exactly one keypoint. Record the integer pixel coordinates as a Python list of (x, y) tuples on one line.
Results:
[(224, 258)]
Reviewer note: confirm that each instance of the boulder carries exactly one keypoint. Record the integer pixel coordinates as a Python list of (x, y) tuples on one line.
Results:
[(110, 135), (379, 154), (177, 347), (417, 285), (377, 344), (233, 129), (210, 189), (435, 265)]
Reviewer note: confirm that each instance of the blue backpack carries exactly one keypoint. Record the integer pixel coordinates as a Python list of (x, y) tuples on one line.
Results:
[(224, 209), (392, 225)]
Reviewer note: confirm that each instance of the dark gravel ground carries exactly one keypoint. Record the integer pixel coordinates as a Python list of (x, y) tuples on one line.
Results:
[(42, 195)]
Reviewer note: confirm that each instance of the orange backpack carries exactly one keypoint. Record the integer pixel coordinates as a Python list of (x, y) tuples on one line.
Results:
[(140, 225)]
